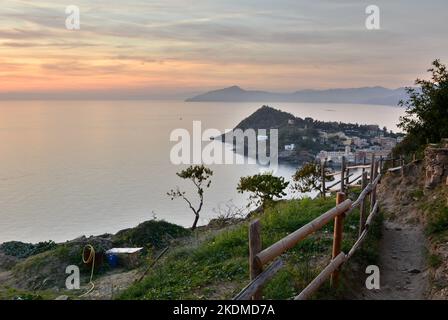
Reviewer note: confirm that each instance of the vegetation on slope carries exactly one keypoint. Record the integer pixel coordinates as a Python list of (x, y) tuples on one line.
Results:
[(41, 267), (24, 250), (218, 267), (153, 233), (426, 119)]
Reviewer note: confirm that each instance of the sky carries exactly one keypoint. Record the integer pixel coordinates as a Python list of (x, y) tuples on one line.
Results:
[(157, 48)]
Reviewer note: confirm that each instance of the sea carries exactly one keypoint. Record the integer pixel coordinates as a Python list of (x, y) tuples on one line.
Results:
[(72, 168)]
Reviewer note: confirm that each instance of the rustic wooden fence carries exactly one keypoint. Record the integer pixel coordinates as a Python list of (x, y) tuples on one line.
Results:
[(258, 257)]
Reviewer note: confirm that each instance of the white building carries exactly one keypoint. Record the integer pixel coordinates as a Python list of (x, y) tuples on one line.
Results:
[(336, 156), (385, 142)]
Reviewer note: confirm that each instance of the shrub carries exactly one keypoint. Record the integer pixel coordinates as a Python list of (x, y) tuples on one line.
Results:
[(154, 233), (24, 250)]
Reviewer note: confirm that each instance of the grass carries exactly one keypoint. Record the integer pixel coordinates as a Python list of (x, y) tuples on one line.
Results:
[(436, 210), (16, 294), (434, 260), (218, 267)]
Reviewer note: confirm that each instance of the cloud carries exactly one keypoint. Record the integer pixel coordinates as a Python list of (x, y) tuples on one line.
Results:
[(286, 42)]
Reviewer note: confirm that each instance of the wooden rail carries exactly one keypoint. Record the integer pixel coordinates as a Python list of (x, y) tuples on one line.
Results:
[(292, 239), (258, 258), (254, 288), (345, 173), (322, 277)]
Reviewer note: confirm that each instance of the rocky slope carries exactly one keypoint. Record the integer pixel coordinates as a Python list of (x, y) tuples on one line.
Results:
[(415, 239)]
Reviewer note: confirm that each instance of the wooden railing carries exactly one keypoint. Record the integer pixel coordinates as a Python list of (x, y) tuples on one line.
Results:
[(345, 174), (258, 258)]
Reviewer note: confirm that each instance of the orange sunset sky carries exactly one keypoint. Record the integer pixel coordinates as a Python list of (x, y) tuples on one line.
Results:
[(173, 47)]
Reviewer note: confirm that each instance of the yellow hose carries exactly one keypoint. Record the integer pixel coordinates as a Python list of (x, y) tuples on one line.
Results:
[(90, 259)]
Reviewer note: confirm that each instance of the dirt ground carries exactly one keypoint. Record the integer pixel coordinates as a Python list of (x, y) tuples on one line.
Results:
[(403, 271), (404, 274)]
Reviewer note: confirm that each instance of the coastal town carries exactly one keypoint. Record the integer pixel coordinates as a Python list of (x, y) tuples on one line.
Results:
[(355, 146), (356, 149)]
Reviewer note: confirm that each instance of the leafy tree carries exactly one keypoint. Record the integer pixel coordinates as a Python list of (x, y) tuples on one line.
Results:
[(309, 178), (200, 176), (426, 118), (264, 188)]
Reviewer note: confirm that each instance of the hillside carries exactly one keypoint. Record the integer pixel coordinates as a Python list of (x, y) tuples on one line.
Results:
[(365, 95), (217, 267), (416, 208), (309, 136), (212, 263)]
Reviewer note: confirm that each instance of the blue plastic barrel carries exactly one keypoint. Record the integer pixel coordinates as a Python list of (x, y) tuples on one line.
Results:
[(112, 260)]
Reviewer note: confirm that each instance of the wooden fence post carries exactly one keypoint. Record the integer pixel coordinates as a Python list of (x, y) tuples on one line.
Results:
[(373, 194), (362, 208), (347, 178), (337, 238), (372, 167), (323, 165), (342, 174), (402, 166), (381, 164), (254, 249)]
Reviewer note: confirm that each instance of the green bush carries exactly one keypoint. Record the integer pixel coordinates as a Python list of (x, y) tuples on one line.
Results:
[(153, 233), (437, 220), (24, 250)]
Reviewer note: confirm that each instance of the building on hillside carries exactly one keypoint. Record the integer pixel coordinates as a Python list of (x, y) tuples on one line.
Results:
[(385, 142), (341, 135), (336, 156), (373, 129), (359, 142)]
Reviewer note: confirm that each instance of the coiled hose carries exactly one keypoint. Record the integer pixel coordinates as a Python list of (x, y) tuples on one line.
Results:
[(90, 259)]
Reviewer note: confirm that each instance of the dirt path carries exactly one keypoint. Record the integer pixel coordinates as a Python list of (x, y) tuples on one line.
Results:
[(109, 286), (402, 263)]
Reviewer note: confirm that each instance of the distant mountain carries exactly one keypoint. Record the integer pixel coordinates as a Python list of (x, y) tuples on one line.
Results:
[(365, 95)]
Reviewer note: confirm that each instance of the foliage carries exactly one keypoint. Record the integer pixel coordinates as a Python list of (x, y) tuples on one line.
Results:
[(203, 271), (217, 267), (200, 176), (264, 188), (437, 219), (426, 119), (309, 178), (434, 260), (226, 214), (24, 250), (153, 233)]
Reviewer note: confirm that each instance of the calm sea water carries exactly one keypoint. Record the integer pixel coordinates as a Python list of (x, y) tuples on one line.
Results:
[(71, 168)]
